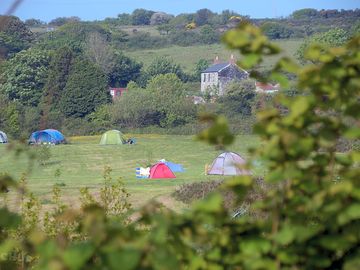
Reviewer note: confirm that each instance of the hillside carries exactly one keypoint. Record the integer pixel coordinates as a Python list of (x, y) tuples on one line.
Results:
[(188, 56)]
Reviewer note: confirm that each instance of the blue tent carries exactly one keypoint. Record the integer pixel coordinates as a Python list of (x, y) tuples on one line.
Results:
[(174, 167), (47, 136)]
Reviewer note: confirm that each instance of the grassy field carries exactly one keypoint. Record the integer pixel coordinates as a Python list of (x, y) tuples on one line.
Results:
[(81, 164), (188, 56)]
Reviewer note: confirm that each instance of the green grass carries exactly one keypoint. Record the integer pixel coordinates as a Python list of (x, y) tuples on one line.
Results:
[(188, 56), (81, 164)]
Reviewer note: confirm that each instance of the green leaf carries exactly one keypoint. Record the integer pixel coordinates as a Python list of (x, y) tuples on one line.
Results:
[(280, 78), (76, 256), (299, 106), (8, 219), (126, 259), (350, 213), (353, 133), (210, 204), (250, 60), (285, 236)]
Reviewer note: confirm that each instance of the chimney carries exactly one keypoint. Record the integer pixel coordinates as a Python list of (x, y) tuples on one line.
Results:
[(216, 60), (232, 60)]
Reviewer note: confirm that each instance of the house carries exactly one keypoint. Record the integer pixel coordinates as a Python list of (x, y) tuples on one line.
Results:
[(116, 92), (266, 88), (216, 77)]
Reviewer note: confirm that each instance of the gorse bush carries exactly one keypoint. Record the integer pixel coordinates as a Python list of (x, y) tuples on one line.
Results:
[(310, 220)]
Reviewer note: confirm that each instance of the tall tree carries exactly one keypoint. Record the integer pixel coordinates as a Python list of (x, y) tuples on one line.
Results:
[(124, 70), (25, 76), (100, 52), (203, 16), (85, 90), (60, 66)]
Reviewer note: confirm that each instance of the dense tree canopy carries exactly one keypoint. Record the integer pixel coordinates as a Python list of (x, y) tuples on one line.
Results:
[(203, 16), (141, 16), (14, 36), (59, 70), (276, 30), (63, 20), (85, 90), (25, 76), (304, 13), (332, 38), (124, 70), (164, 65)]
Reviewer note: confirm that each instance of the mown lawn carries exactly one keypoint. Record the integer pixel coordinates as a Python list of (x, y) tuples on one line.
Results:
[(187, 57), (81, 162)]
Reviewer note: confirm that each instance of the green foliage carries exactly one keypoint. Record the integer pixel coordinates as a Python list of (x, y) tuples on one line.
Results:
[(168, 94), (124, 19), (124, 70), (141, 16), (276, 30), (113, 196), (218, 134), (74, 35), (164, 65), (63, 20), (162, 103), (59, 70), (203, 16), (135, 109), (208, 35), (309, 220), (333, 38), (304, 13), (14, 36), (200, 66), (85, 90), (239, 99), (12, 119), (25, 76), (34, 22)]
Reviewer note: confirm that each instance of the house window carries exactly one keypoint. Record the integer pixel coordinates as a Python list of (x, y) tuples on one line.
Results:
[(209, 77), (204, 77)]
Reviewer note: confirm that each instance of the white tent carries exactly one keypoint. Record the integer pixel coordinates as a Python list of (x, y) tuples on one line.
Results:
[(228, 163), (3, 137)]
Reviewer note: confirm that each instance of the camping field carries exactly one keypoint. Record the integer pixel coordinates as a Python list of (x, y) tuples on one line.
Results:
[(81, 163)]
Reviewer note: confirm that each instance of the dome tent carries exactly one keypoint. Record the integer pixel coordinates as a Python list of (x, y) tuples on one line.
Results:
[(228, 163), (160, 170), (3, 137), (113, 137), (51, 136), (174, 167)]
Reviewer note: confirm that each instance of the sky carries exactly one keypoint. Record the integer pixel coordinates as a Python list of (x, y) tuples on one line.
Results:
[(47, 10)]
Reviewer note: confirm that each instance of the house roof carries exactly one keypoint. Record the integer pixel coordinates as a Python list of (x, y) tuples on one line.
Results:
[(267, 86), (216, 67)]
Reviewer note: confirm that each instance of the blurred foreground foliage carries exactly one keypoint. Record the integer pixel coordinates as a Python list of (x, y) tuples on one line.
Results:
[(311, 219)]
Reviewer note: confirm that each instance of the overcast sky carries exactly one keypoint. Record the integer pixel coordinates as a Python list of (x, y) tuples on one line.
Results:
[(47, 10)]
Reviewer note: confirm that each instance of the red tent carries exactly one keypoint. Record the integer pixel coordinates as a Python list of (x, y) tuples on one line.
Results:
[(160, 170)]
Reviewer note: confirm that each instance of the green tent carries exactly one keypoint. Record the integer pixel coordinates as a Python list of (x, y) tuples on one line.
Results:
[(112, 137)]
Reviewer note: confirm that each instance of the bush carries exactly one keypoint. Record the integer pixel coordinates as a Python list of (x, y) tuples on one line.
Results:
[(185, 38), (145, 41)]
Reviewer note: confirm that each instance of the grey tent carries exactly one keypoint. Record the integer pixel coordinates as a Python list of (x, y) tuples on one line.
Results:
[(228, 163), (3, 137)]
